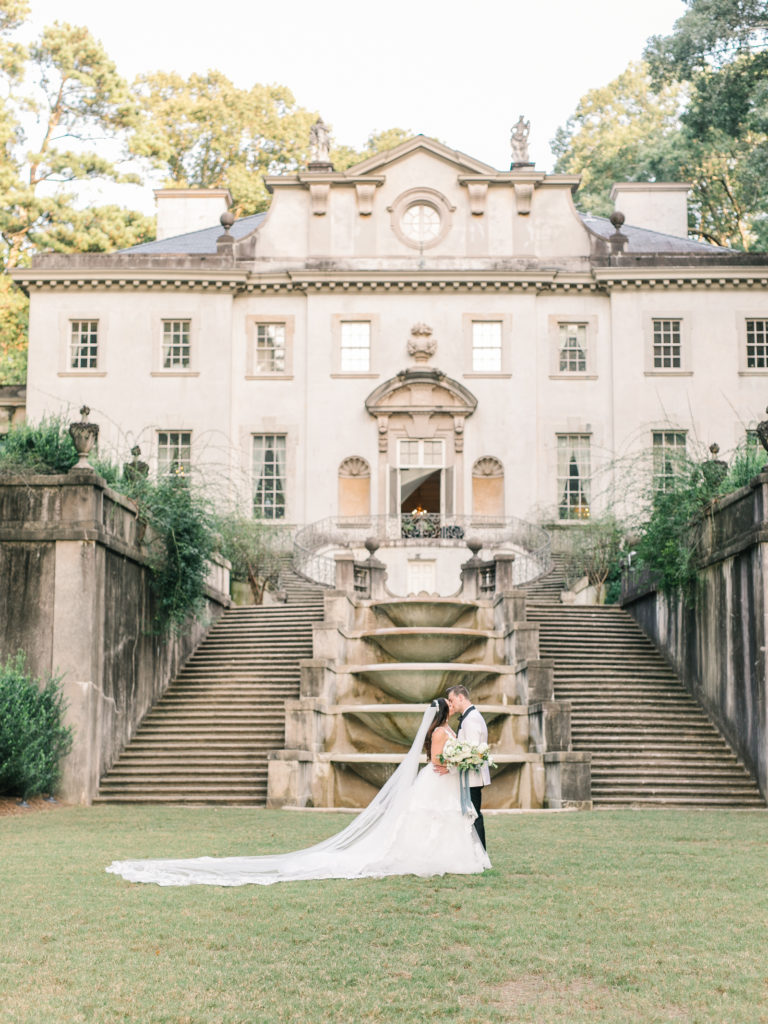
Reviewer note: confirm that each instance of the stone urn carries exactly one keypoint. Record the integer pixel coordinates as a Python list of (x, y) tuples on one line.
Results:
[(84, 436), (135, 469)]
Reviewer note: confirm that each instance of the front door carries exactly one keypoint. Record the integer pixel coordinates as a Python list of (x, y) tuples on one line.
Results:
[(420, 476)]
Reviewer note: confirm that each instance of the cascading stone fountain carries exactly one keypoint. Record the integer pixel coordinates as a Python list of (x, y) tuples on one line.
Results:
[(378, 663)]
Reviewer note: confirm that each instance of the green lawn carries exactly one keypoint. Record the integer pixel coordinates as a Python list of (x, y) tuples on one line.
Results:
[(634, 917)]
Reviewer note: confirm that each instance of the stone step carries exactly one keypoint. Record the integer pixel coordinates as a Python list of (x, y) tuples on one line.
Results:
[(257, 799), (679, 801)]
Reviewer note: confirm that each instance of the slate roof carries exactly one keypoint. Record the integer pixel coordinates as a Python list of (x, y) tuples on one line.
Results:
[(644, 240), (197, 243), (641, 240)]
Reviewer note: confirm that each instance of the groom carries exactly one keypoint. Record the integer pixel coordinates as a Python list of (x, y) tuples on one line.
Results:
[(473, 729)]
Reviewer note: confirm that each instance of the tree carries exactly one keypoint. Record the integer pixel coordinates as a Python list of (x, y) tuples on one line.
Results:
[(77, 98), (63, 109), (622, 131), (205, 132), (14, 320), (254, 548), (343, 157), (720, 48)]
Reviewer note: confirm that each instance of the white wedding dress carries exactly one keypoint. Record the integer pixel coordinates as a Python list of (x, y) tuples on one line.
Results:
[(413, 826)]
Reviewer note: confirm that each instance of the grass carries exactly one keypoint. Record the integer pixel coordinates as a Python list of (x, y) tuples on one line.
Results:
[(638, 917)]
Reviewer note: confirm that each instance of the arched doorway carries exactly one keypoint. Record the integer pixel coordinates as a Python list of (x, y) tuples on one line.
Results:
[(420, 416)]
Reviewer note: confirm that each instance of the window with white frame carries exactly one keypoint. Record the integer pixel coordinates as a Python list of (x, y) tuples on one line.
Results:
[(174, 452), (355, 346), (270, 349), (176, 345), (84, 344), (667, 345), (486, 346), (757, 344), (573, 348), (269, 475), (420, 453), (668, 456), (573, 476)]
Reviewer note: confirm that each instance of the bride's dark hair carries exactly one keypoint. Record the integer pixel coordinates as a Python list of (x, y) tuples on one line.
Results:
[(440, 718)]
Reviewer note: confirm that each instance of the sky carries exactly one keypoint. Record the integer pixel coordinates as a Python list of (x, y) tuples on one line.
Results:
[(460, 72)]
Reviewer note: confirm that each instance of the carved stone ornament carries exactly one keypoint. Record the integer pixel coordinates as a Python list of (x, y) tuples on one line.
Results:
[(519, 142), (421, 345), (354, 466), (318, 198), (320, 143), (365, 193), (488, 466), (84, 436), (762, 432)]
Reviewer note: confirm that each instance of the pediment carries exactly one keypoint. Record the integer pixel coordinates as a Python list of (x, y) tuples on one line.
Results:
[(421, 390), (461, 161)]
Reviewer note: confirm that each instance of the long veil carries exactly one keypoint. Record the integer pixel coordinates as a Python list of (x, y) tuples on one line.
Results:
[(351, 853)]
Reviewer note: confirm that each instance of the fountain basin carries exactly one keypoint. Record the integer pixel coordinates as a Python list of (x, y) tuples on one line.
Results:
[(421, 643), (399, 723), (421, 682), (434, 611), (377, 769)]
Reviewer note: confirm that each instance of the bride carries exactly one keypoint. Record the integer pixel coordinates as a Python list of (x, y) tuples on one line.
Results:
[(413, 826)]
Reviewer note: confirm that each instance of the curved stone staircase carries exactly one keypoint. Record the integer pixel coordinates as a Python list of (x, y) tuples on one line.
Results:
[(207, 739), (651, 743)]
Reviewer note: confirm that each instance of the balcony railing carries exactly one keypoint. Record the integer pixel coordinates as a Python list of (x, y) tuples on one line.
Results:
[(315, 544)]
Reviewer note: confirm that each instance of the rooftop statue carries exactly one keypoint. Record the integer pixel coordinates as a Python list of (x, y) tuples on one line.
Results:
[(519, 141), (319, 143)]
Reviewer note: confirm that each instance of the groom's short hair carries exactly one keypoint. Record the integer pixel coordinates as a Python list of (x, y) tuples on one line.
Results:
[(460, 691)]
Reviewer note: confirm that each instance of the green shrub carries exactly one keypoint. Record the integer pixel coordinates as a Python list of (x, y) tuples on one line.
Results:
[(746, 463), (32, 737), (181, 543), (43, 448)]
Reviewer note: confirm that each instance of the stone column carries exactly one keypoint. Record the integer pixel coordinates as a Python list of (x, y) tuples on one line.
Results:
[(505, 565), (345, 571)]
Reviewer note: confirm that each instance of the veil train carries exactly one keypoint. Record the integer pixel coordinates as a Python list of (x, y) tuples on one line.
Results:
[(354, 852)]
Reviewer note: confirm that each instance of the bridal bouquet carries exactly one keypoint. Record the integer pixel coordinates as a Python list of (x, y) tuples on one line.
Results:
[(467, 757)]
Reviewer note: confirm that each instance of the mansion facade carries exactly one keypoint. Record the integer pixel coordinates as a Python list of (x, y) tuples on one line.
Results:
[(420, 331)]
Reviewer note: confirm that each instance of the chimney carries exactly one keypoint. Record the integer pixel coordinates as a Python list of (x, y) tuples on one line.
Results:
[(181, 210), (655, 205)]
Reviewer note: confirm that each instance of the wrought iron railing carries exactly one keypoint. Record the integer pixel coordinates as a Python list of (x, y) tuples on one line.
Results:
[(314, 545)]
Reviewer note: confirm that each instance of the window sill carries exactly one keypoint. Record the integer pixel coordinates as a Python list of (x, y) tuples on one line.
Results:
[(355, 376), (175, 373), (269, 376), (668, 373), (494, 375), (82, 373), (754, 373), (573, 376)]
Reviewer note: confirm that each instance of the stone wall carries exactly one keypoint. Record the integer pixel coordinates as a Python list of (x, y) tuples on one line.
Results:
[(76, 599), (717, 645)]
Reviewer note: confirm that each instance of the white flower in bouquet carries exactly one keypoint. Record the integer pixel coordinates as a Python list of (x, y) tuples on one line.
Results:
[(466, 756)]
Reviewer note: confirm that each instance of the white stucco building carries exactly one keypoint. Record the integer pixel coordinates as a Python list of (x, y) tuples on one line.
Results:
[(421, 330)]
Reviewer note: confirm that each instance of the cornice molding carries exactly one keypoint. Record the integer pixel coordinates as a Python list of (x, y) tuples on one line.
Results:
[(241, 280), (682, 277)]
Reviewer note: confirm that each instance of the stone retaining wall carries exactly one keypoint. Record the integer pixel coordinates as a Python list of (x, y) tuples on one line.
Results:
[(75, 597), (717, 646)]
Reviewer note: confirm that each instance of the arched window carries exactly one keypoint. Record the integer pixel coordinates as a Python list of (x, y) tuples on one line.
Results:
[(488, 487), (354, 487)]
